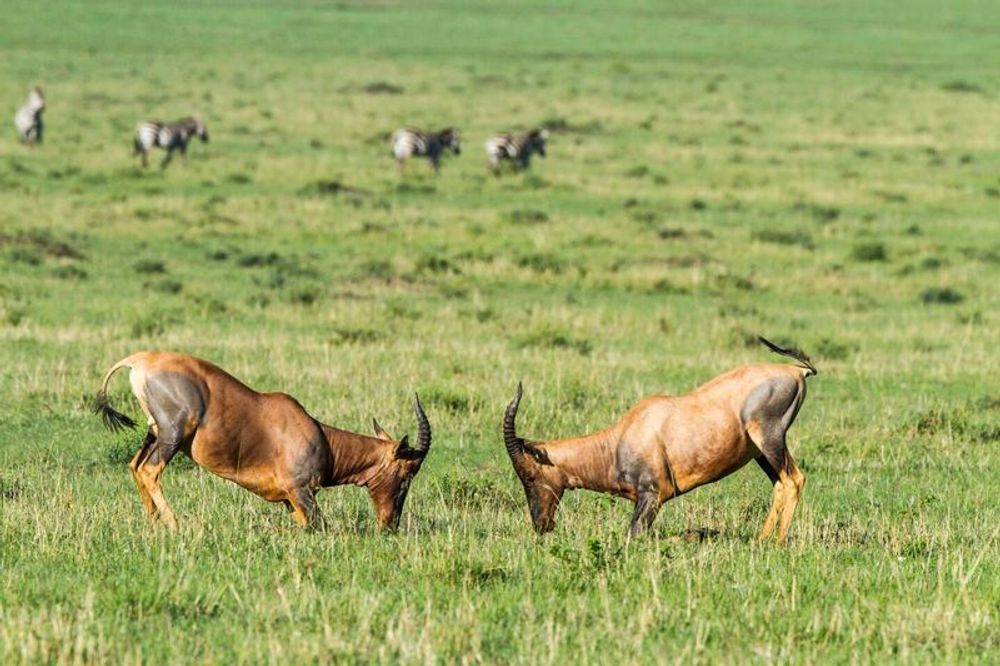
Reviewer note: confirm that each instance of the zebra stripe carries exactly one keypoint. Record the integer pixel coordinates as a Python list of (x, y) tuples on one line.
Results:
[(28, 119), (408, 142), (516, 148), (151, 134)]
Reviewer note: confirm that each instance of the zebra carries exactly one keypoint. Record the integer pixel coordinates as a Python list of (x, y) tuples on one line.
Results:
[(408, 142), (517, 148), (151, 134), (28, 119)]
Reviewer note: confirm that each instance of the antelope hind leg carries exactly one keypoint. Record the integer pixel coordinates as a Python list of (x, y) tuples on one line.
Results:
[(140, 456), (777, 500), (168, 441), (792, 484)]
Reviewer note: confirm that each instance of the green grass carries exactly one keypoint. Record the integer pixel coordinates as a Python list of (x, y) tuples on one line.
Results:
[(820, 173)]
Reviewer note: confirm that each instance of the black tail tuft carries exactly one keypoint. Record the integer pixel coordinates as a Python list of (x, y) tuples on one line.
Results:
[(113, 419), (791, 352)]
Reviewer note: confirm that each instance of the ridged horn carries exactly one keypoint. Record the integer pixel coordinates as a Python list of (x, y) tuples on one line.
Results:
[(514, 444), (423, 427)]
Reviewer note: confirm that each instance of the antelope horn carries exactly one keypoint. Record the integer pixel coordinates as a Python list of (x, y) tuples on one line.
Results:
[(514, 444), (423, 426)]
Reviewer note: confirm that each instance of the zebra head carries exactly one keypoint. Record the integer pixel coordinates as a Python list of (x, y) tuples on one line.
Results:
[(536, 140), (36, 99), (199, 129), (449, 139)]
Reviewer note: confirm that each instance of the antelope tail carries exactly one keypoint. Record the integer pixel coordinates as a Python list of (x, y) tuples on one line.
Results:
[(113, 419), (791, 352)]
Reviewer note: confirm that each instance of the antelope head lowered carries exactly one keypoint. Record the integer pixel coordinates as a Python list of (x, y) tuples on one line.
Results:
[(264, 442), (668, 445)]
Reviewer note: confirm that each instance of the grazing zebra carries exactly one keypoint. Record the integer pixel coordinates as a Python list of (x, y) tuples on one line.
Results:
[(28, 119), (151, 134), (517, 148), (408, 142)]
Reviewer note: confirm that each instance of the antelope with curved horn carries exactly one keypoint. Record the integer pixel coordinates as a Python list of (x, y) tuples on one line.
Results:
[(264, 442), (669, 445)]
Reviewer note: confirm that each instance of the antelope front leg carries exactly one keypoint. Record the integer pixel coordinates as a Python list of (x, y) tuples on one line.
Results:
[(647, 505), (304, 508)]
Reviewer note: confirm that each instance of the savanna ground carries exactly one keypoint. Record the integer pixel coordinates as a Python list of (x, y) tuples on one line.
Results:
[(825, 174)]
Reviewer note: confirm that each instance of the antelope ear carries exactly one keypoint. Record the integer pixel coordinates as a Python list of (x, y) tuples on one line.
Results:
[(540, 456), (404, 452), (379, 432)]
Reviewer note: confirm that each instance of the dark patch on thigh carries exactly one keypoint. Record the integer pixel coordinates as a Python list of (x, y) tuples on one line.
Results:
[(769, 402), (177, 405)]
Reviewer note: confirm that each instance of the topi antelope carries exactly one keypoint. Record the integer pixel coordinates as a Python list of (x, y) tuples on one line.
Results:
[(669, 445), (264, 442)]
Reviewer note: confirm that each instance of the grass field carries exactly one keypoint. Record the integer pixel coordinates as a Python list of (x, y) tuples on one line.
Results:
[(825, 174)]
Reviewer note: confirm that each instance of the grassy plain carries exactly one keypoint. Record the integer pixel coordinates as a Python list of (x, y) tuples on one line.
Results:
[(822, 173)]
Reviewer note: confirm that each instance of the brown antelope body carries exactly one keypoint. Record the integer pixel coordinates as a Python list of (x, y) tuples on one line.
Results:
[(264, 442), (669, 445)]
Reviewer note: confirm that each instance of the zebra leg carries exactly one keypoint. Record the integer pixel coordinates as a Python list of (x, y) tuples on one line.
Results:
[(166, 160), (145, 159)]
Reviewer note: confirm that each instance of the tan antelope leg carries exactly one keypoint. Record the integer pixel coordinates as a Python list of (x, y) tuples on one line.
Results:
[(150, 468), (777, 506), (777, 499), (150, 474), (788, 480), (792, 482), (137, 459)]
